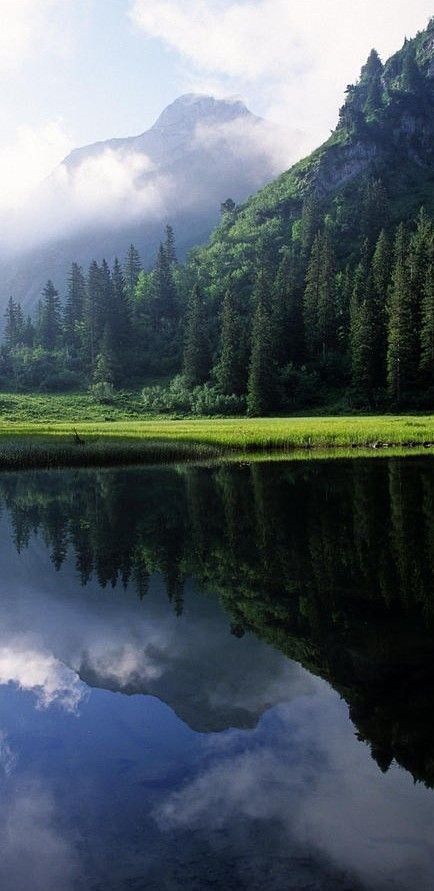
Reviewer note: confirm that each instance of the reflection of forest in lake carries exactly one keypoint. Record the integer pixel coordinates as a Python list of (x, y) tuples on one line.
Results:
[(331, 562)]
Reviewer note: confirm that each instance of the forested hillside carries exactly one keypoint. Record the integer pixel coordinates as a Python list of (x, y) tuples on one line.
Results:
[(319, 290)]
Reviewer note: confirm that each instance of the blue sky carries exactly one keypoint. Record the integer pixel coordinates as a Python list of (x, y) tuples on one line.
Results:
[(76, 71)]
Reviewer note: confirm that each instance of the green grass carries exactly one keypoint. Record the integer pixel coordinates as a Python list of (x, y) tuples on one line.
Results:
[(35, 435)]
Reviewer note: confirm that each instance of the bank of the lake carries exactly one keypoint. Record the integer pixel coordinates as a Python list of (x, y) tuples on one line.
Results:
[(57, 443)]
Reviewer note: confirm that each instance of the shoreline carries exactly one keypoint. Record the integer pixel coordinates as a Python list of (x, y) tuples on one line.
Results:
[(42, 445)]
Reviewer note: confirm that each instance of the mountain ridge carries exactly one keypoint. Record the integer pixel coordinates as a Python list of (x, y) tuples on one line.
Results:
[(179, 171)]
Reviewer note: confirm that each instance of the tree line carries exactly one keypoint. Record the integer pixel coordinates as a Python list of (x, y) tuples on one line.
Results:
[(113, 326), (310, 329)]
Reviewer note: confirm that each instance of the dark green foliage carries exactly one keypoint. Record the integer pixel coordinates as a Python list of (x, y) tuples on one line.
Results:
[(329, 563), (73, 314), (169, 246), (196, 359), (427, 325), (362, 333), (165, 293), (50, 320), (14, 326), (302, 299), (401, 336), (261, 386), (131, 271), (320, 298), (230, 372)]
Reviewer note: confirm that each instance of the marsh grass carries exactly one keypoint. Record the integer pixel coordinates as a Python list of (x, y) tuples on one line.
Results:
[(52, 443)]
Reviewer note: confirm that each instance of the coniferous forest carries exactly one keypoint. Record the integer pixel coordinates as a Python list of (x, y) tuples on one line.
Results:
[(317, 292)]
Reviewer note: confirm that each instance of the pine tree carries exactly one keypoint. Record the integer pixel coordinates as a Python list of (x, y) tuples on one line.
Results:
[(310, 222), (411, 77), (196, 358), (13, 324), (427, 326), (131, 271), (29, 333), (380, 277), (327, 297), (229, 371), (370, 82), (169, 246), (287, 309), (373, 216), (261, 386), (119, 322), (419, 259), (50, 323), (74, 310), (165, 299), (94, 312), (400, 335), (312, 296), (362, 334)]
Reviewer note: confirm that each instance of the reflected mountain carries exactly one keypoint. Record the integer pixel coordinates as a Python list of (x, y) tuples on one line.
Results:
[(331, 563)]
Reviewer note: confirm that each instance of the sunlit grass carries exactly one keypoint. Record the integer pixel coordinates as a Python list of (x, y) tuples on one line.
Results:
[(50, 441)]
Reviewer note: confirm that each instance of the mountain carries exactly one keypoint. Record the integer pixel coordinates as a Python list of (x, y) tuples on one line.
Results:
[(385, 132), (329, 268), (107, 195), (317, 292)]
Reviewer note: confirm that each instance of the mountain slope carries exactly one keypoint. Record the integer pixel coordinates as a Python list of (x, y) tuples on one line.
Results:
[(385, 132), (107, 195)]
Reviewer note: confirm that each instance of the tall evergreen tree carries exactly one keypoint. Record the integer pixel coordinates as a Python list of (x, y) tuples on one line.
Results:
[(131, 270), (327, 296), (373, 216), (310, 222), (419, 259), (13, 324), (94, 311), (427, 326), (411, 77), (50, 323), (196, 358), (74, 310), (362, 333), (400, 335), (166, 302), (230, 373), (169, 246), (312, 295), (287, 309), (261, 387)]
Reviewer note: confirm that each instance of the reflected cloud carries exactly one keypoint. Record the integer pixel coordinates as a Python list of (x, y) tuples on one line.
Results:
[(8, 758), (313, 779), (34, 853), (39, 672)]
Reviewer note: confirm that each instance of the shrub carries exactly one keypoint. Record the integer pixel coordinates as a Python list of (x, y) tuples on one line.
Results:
[(177, 399)]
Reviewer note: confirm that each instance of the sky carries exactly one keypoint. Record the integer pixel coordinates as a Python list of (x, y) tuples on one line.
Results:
[(77, 71)]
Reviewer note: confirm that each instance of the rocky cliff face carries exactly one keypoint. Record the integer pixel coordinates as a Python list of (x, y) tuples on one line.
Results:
[(384, 136)]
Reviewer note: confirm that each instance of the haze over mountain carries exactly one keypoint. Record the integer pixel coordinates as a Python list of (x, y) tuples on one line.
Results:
[(104, 196)]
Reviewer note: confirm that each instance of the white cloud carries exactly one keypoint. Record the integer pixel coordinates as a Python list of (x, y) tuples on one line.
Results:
[(256, 141), (25, 26), (105, 190), (29, 157), (32, 845), (37, 670), (291, 58), (8, 758), (322, 792)]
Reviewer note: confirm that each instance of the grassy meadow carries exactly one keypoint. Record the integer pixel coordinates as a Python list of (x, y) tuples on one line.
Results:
[(51, 430)]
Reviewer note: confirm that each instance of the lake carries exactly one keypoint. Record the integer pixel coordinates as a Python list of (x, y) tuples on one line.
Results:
[(218, 677)]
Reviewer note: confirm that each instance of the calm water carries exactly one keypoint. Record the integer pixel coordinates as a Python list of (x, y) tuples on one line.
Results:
[(218, 678)]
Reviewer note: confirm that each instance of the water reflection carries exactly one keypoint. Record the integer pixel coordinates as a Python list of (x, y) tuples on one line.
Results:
[(224, 763)]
